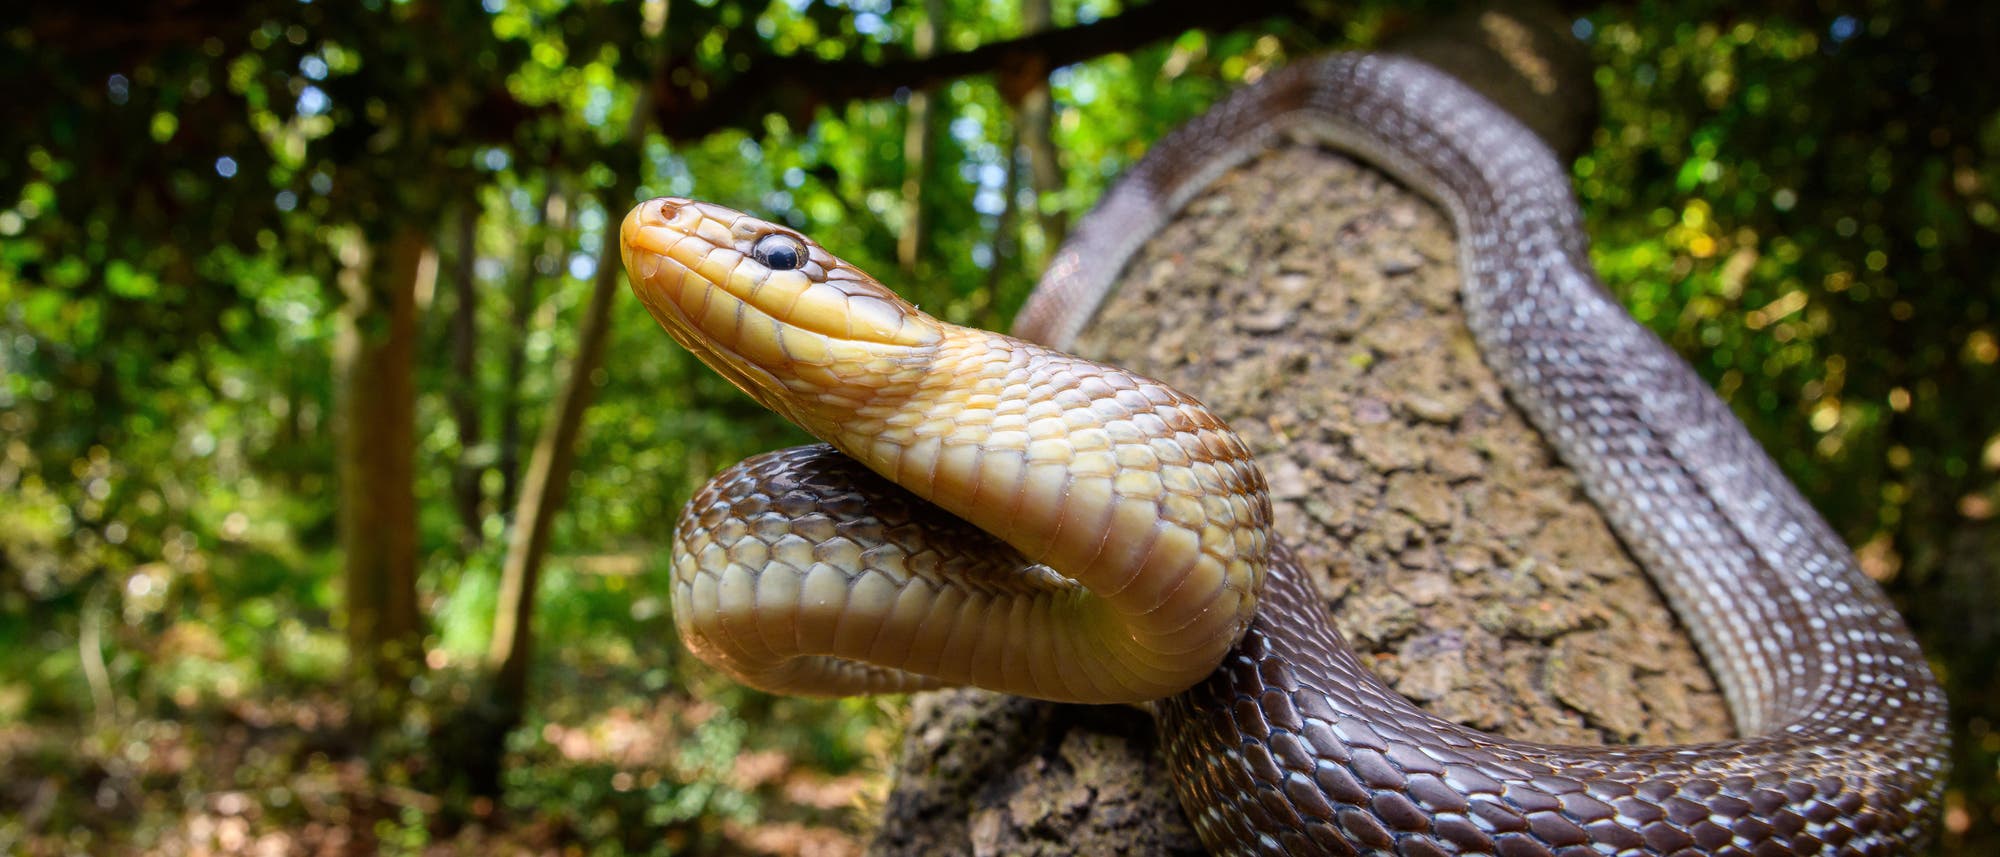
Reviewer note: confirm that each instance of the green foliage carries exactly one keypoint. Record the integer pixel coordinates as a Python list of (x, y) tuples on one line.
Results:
[(1795, 202), (1802, 201), (1805, 206)]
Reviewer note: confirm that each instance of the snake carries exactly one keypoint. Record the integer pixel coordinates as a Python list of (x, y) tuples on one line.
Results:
[(987, 510)]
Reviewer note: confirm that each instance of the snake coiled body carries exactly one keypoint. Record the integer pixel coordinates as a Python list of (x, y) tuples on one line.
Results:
[(1290, 745)]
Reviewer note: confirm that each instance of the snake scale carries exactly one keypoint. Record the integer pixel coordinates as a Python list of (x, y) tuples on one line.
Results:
[(1108, 540)]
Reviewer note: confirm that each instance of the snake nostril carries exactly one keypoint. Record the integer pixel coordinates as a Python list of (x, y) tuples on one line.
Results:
[(667, 208)]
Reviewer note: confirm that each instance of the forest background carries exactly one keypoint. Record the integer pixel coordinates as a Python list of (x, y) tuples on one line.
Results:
[(336, 468)]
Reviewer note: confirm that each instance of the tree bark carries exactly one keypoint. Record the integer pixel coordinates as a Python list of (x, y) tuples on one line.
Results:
[(520, 314), (1313, 303), (1025, 89), (1037, 137), (545, 483), (697, 106), (467, 496), (919, 139), (1006, 231), (374, 359)]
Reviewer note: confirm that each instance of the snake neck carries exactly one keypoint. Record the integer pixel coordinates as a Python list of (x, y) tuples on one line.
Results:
[(1132, 489)]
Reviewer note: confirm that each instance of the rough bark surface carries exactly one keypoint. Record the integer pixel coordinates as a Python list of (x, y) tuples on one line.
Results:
[(1313, 303), (375, 359), (1454, 548), (547, 481), (467, 495)]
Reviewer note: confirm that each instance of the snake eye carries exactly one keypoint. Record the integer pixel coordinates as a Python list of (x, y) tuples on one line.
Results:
[(779, 252)]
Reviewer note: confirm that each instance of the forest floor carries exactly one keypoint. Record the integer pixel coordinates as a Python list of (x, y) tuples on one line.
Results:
[(659, 773)]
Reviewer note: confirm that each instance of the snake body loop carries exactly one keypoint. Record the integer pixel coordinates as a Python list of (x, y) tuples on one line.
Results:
[(1128, 528), (1291, 745)]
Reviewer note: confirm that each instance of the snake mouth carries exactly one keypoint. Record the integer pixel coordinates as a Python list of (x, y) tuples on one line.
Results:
[(678, 297), (704, 261)]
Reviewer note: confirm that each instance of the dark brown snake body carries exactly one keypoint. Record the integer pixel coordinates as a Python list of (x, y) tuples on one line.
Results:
[(1294, 747), (801, 571)]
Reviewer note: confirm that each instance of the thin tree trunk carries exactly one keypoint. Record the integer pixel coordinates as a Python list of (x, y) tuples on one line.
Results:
[(520, 314), (374, 359), (546, 480), (1007, 227), (1026, 92), (467, 495), (1006, 231), (919, 139), (475, 753), (1037, 137)]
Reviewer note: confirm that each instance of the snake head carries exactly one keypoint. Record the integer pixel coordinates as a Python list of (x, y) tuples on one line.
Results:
[(767, 307)]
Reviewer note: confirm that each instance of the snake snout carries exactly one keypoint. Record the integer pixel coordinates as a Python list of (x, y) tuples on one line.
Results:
[(671, 210), (653, 224)]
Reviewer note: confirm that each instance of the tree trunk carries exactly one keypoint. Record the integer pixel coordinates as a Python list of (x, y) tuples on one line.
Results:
[(520, 315), (542, 488), (1037, 136), (919, 139), (374, 360), (1313, 303), (1006, 231), (467, 496)]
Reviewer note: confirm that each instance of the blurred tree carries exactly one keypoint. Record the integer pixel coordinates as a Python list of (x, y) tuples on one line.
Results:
[(555, 210), (1037, 140), (374, 362), (343, 159), (919, 139), (509, 655), (1804, 204), (468, 495)]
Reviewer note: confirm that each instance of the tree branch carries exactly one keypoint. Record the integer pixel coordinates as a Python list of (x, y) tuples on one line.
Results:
[(797, 85)]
